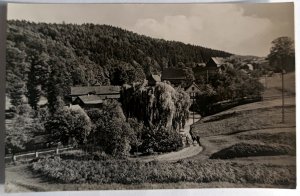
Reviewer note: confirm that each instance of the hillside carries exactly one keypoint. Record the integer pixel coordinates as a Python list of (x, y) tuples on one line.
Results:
[(88, 54)]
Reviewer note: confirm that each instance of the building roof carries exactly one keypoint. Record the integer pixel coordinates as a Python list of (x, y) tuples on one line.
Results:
[(90, 99), (110, 96), (218, 60), (173, 73), (156, 78), (97, 90), (192, 84), (250, 67)]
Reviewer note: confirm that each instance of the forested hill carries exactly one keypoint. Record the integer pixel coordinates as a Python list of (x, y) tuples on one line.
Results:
[(88, 54)]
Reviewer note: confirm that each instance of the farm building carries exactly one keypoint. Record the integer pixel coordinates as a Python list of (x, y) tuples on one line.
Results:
[(174, 75), (88, 101), (153, 79), (103, 92), (214, 63)]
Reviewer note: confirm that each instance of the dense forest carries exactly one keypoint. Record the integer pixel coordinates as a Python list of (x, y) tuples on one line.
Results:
[(40, 55)]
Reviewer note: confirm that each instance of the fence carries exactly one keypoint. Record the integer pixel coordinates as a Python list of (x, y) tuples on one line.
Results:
[(36, 154)]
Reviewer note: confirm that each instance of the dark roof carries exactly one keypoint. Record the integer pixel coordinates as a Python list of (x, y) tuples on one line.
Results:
[(110, 96), (98, 90), (90, 99), (218, 60), (173, 73), (156, 78)]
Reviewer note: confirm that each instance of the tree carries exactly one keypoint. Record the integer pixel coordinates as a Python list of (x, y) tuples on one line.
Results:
[(16, 94), (20, 134), (112, 133), (53, 91), (33, 88), (282, 54), (69, 125), (138, 129)]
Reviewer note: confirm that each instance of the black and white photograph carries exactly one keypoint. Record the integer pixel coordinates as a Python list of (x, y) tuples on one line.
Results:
[(149, 96)]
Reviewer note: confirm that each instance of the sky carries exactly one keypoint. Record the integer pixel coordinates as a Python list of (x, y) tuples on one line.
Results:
[(245, 29)]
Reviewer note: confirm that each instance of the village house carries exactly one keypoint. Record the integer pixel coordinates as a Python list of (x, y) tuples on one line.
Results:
[(174, 75), (88, 101), (192, 90), (217, 64), (104, 92), (93, 96), (214, 63)]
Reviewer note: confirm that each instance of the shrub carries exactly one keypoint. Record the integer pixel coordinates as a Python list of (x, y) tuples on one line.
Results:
[(161, 140), (247, 150), (135, 172)]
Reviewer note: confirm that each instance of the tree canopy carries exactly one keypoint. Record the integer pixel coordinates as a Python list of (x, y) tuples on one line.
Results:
[(282, 54), (47, 56)]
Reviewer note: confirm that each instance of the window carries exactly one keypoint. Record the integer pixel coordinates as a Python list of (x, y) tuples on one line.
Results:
[(193, 88)]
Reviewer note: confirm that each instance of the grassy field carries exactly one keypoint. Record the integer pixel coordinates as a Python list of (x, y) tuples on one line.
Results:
[(273, 85), (243, 121)]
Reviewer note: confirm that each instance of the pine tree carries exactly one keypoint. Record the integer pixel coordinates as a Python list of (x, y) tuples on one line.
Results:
[(33, 90), (52, 92)]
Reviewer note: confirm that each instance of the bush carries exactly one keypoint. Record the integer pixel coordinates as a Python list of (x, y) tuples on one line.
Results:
[(22, 129), (111, 131), (135, 172), (247, 150), (161, 140)]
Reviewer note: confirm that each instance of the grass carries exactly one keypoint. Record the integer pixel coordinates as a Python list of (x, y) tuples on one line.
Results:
[(274, 85), (284, 138), (245, 121), (133, 172), (248, 150)]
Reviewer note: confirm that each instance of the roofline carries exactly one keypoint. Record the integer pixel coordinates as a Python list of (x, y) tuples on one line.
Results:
[(115, 93)]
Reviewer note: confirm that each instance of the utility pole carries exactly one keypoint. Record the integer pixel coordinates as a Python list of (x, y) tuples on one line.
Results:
[(266, 81), (193, 109), (282, 92), (207, 76)]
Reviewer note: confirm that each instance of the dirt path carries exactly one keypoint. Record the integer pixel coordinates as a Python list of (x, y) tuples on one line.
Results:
[(20, 179)]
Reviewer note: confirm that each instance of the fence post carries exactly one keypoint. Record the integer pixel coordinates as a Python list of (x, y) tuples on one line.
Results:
[(57, 151), (36, 154), (14, 158)]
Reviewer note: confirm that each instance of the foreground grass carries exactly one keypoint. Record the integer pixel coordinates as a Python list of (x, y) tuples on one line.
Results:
[(133, 172)]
